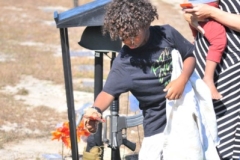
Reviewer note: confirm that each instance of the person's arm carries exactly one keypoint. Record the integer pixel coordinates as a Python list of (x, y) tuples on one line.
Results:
[(103, 101), (188, 67), (203, 11), (176, 87), (117, 82)]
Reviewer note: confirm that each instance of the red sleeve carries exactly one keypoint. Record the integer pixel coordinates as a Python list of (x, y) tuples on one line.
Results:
[(216, 36)]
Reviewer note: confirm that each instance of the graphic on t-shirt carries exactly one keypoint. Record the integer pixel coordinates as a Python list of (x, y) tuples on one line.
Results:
[(163, 66)]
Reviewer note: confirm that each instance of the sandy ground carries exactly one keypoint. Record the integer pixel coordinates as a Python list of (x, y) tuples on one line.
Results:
[(43, 93), (48, 94)]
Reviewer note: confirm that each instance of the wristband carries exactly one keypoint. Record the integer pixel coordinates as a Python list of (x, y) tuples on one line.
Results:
[(97, 109)]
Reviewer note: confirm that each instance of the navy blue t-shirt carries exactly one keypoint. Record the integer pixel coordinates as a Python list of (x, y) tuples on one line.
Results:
[(145, 71)]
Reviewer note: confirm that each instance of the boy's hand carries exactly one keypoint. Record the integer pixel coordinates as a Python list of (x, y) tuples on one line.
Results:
[(91, 119), (175, 89)]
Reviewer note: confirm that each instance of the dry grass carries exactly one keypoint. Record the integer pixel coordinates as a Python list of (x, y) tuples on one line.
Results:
[(21, 121), (29, 46), (26, 38)]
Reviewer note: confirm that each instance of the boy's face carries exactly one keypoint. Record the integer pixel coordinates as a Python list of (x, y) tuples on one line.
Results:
[(139, 40)]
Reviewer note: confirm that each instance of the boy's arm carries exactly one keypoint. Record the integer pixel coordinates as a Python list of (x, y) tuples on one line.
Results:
[(103, 101), (188, 68), (176, 87)]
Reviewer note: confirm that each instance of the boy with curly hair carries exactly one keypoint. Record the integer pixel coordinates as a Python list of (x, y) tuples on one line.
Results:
[(143, 67)]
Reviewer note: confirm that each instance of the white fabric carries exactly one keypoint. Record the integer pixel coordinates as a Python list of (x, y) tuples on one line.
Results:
[(151, 148), (191, 129)]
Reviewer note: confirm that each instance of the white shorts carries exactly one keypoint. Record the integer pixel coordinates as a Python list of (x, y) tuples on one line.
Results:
[(152, 147)]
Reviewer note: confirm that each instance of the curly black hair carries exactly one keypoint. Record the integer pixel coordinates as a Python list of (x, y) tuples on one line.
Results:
[(124, 18)]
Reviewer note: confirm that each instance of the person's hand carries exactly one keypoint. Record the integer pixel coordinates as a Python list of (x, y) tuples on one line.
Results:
[(193, 22), (199, 11), (175, 89), (91, 119)]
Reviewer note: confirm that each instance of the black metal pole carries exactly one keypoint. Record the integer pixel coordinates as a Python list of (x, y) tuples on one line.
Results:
[(98, 85), (69, 91), (96, 139), (114, 109), (98, 73)]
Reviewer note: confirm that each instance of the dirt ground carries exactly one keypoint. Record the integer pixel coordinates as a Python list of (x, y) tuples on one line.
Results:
[(44, 90)]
